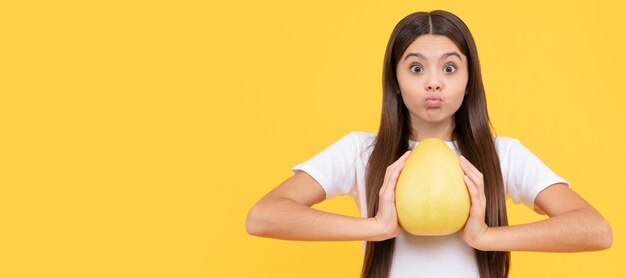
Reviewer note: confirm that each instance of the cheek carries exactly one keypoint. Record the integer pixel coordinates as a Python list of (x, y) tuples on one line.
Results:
[(457, 92), (458, 86), (403, 82), (408, 85)]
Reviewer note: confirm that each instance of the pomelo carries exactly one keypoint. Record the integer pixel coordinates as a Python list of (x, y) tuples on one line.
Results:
[(431, 196)]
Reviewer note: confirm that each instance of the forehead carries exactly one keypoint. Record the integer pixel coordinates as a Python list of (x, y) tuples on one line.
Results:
[(432, 45)]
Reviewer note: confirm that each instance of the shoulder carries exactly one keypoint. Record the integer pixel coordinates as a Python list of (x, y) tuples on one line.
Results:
[(362, 139), (362, 136), (363, 142), (503, 140), (352, 141), (512, 150), (504, 143)]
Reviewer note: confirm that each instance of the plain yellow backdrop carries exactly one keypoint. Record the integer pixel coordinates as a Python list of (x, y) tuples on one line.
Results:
[(135, 135)]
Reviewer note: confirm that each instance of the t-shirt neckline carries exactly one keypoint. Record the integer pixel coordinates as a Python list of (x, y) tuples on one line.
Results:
[(411, 141), (412, 144)]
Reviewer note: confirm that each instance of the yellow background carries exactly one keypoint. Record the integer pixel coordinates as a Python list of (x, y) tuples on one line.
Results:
[(135, 136)]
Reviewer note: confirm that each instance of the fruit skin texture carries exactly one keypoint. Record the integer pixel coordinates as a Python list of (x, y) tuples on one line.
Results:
[(431, 196)]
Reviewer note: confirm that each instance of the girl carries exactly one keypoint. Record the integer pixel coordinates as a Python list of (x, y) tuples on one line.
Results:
[(432, 87)]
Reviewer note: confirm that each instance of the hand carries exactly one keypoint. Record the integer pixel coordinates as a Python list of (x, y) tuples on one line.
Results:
[(386, 218), (475, 227)]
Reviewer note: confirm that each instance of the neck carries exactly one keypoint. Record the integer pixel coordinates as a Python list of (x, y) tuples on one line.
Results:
[(441, 130)]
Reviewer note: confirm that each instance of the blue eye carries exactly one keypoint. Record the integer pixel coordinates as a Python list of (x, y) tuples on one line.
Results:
[(417, 67), (449, 68)]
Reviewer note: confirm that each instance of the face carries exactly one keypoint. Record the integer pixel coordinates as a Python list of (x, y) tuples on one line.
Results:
[(432, 74)]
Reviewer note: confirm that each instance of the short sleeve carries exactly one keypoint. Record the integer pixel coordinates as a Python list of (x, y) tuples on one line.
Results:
[(525, 175), (334, 168)]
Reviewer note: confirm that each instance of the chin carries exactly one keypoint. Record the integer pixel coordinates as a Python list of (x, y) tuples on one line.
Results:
[(436, 118)]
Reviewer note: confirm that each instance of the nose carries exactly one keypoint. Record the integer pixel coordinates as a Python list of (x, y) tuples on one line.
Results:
[(433, 85)]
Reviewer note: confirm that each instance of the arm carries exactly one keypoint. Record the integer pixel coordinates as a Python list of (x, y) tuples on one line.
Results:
[(286, 213), (574, 225)]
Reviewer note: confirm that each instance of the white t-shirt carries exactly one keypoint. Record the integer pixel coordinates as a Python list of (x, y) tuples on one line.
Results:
[(340, 170)]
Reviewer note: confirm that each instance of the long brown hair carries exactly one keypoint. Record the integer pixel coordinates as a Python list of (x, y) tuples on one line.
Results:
[(472, 136)]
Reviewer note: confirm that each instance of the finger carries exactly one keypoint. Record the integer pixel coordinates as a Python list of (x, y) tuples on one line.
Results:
[(472, 190), (383, 190), (471, 171), (475, 181), (481, 191), (390, 188), (399, 165), (470, 185), (478, 200), (405, 156), (385, 178), (401, 159), (477, 178), (394, 176), (472, 167), (388, 172), (392, 180), (392, 168)]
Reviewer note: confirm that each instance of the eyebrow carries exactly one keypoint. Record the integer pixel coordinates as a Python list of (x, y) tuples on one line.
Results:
[(418, 55)]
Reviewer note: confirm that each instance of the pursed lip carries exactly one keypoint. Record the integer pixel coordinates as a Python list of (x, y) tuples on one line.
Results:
[(433, 102)]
